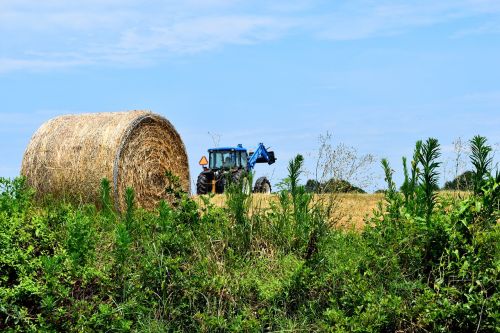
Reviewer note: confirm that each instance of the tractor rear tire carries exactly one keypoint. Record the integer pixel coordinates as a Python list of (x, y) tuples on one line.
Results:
[(237, 175), (240, 177), (262, 185), (203, 185)]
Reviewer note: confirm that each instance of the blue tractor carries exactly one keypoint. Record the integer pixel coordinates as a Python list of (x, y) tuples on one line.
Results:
[(232, 164)]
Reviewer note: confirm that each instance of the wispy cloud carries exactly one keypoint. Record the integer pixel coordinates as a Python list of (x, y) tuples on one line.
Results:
[(38, 64), (200, 34), (55, 34), (385, 18), (488, 28)]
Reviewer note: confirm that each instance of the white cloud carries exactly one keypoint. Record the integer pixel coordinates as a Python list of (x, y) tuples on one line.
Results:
[(488, 28), (52, 34), (58, 34), (15, 64), (205, 33), (355, 21)]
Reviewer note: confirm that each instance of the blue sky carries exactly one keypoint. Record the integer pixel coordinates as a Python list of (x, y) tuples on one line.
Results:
[(378, 75)]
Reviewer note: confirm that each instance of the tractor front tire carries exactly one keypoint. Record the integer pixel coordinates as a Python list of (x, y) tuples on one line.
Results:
[(203, 185), (262, 185)]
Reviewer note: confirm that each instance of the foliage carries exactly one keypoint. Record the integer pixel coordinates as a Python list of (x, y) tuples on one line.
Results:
[(422, 263), (481, 160), (332, 186), (463, 182), (430, 175)]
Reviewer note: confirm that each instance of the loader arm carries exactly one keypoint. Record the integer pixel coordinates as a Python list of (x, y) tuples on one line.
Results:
[(261, 155)]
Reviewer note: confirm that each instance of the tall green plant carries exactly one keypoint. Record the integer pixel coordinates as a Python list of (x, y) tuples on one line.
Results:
[(123, 240), (430, 174), (391, 186), (129, 213), (300, 198), (409, 187), (294, 172), (391, 195), (174, 188), (107, 207), (405, 188), (301, 203), (81, 239), (481, 160), (239, 199), (415, 171)]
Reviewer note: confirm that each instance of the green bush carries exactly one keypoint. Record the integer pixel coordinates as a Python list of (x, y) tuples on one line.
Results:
[(332, 186), (423, 262), (462, 182)]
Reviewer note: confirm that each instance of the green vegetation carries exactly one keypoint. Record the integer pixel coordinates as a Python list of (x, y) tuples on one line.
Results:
[(332, 186), (422, 263), (462, 182)]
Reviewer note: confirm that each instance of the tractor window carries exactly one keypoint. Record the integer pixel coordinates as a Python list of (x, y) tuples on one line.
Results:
[(243, 159), (221, 159)]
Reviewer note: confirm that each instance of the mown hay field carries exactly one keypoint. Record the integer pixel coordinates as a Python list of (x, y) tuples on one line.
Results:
[(351, 209)]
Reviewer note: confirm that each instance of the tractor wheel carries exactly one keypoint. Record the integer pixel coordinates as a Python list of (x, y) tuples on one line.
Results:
[(240, 176), (203, 185), (237, 175), (262, 185), (220, 184)]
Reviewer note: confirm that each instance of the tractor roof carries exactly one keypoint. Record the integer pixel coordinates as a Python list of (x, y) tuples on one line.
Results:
[(238, 148)]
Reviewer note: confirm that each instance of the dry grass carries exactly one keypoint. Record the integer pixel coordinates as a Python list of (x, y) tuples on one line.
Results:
[(350, 212), (351, 209), (355, 208), (69, 155)]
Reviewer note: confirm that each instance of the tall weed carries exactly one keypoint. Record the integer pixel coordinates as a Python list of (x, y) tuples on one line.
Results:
[(422, 263)]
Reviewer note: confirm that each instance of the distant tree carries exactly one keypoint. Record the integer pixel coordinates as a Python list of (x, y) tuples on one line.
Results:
[(463, 182), (435, 187), (312, 186), (332, 186)]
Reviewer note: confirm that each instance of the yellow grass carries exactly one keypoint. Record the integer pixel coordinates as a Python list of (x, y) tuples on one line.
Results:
[(355, 208), (351, 209)]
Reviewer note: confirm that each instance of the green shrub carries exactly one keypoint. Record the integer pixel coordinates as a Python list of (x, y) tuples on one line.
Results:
[(462, 182), (423, 262)]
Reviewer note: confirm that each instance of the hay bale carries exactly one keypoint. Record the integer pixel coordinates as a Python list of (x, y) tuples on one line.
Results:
[(68, 156)]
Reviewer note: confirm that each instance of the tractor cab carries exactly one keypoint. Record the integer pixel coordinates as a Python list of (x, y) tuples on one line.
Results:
[(228, 158), (232, 164)]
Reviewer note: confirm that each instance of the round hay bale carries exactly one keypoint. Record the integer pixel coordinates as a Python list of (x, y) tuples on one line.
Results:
[(68, 156)]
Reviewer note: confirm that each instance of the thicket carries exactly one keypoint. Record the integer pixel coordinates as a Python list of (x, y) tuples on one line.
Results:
[(462, 182), (332, 186), (422, 263)]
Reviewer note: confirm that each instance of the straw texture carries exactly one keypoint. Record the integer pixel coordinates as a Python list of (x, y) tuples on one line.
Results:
[(69, 155)]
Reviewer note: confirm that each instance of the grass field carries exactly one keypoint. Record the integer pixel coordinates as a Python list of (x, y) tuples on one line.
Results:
[(276, 266), (352, 209), (427, 261)]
